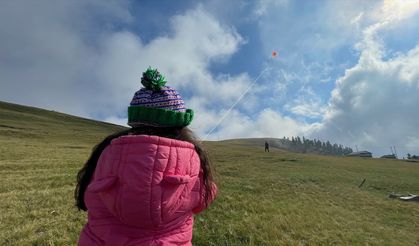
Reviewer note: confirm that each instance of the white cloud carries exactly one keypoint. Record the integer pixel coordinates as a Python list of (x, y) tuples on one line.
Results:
[(267, 123), (313, 47), (183, 57), (357, 19), (48, 53), (70, 58), (306, 104), (309, 109), (53, 56), (374, 103), (396, 10), (263, 6)]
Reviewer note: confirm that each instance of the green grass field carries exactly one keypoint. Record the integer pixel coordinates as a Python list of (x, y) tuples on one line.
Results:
[(276, 198)]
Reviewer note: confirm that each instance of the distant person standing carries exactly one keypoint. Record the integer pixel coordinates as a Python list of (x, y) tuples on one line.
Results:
[(266, 147)]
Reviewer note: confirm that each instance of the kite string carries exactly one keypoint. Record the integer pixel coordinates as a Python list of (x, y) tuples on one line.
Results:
[(236, 102)]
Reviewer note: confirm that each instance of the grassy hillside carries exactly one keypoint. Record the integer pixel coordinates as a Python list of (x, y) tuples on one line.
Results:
[(276, 198), (40, 154)]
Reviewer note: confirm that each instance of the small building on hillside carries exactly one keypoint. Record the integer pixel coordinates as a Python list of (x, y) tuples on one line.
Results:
[(360, 154), (392, 156)]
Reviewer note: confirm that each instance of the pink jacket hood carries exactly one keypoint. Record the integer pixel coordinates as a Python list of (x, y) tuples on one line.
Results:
[(144, 192)]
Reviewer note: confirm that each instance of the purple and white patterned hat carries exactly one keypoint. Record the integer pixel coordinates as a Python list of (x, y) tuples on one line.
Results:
[(157, 104), (166, 98)]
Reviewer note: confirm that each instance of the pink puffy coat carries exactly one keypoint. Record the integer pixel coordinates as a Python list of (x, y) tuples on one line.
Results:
[(144, 191)]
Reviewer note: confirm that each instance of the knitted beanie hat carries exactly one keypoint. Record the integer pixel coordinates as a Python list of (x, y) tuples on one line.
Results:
[(158, 105)]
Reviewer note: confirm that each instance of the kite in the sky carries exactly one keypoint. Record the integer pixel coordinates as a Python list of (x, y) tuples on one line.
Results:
[(274, 54)]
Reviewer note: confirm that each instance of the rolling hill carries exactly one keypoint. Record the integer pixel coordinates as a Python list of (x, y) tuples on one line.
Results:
[(276, 198)]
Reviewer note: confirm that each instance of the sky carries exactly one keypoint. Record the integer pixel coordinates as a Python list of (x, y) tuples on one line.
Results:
[(346, 71)]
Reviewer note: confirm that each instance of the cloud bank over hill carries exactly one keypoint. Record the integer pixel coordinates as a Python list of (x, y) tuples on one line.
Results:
[(374, 103)]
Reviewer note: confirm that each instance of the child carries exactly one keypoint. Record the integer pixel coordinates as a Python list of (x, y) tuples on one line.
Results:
[(142, 186)]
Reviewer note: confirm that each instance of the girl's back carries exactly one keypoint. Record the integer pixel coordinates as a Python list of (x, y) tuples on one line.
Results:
[(144, 191), (142, 186)]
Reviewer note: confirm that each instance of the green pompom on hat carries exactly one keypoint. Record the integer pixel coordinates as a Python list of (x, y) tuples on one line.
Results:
[(157, 104), (152, 79)]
